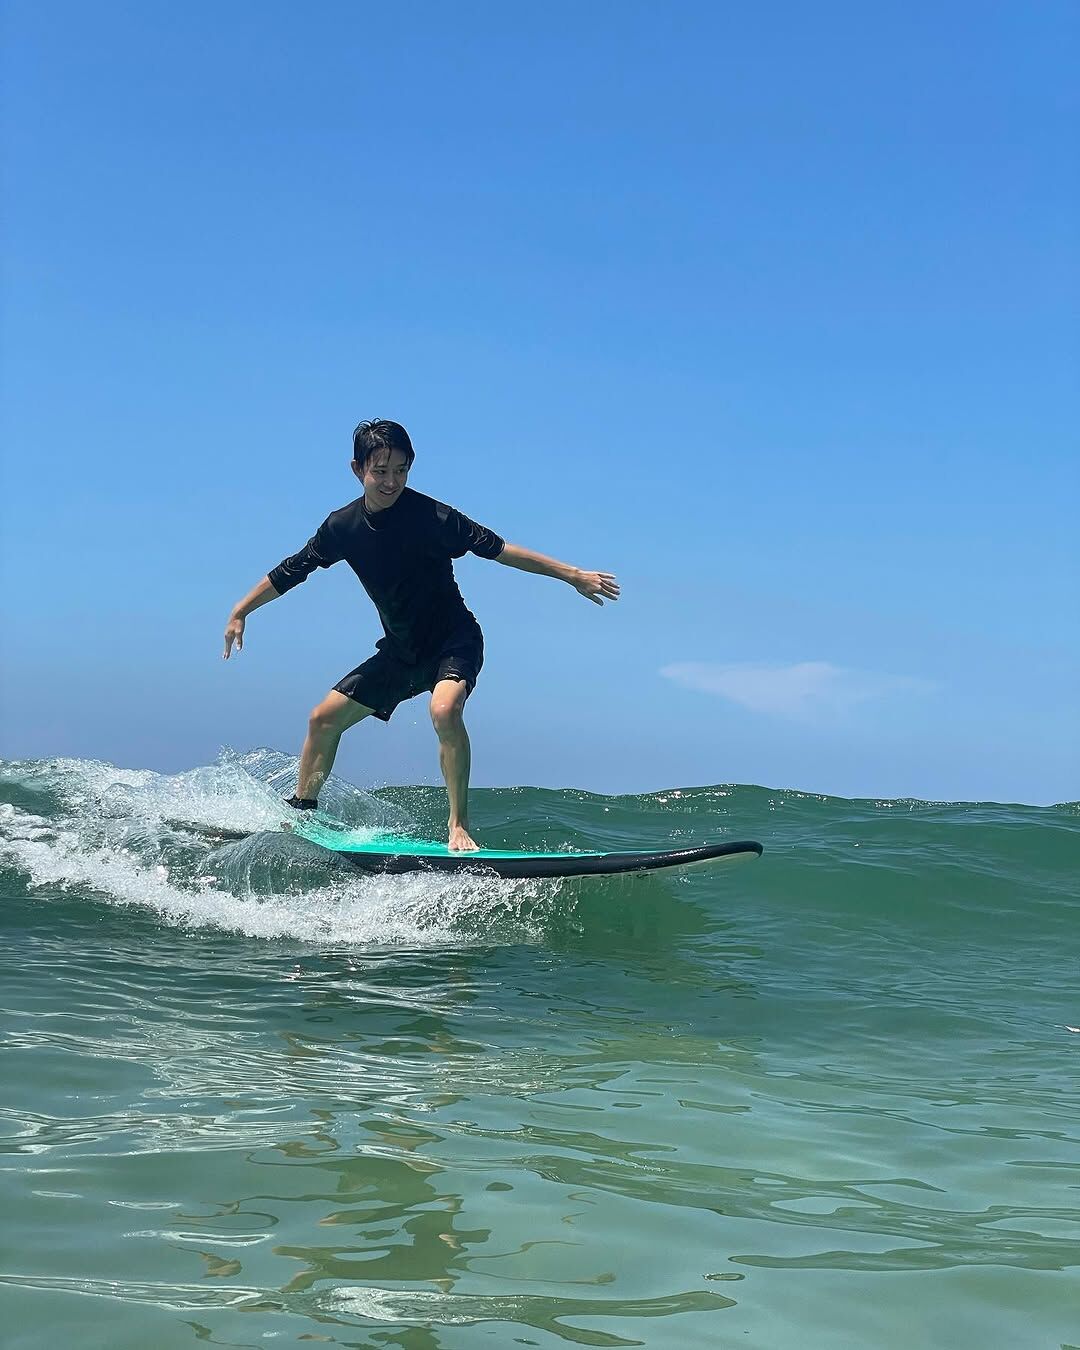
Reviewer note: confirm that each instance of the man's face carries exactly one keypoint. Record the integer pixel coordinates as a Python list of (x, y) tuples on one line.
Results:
[(384, 478)]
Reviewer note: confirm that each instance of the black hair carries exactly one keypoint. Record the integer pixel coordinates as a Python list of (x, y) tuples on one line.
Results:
[(371, 437)]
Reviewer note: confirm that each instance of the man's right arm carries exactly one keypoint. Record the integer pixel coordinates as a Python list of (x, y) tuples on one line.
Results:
[(323, 549), (262, 594)]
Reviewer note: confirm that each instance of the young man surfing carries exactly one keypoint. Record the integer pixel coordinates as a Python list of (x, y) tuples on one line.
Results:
[(401, 545)]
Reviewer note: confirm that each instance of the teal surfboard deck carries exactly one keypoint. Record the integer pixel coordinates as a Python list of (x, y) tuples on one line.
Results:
[(390, 854)]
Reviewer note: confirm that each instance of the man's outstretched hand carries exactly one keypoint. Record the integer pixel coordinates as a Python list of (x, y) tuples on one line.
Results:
[(263, 593), (234, 632), (597, 586)]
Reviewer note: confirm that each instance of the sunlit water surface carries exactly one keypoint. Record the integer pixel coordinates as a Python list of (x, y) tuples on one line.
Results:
[(829, 1099)]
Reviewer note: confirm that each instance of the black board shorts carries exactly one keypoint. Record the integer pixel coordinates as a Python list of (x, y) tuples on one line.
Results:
[(384, 681)]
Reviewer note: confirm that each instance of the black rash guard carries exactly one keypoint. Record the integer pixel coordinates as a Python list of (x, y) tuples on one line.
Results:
[(403, 556)]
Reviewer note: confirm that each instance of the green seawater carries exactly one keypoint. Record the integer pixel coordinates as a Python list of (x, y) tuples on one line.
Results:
[(827, 1100)]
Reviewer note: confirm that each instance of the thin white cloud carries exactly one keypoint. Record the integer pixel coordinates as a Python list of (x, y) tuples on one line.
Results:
[(805, 691)]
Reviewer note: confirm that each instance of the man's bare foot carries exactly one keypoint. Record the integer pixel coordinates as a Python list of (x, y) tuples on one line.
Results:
[(461, 841)]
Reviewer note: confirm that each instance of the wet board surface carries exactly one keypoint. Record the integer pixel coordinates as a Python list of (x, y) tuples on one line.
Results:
[(390, 854)]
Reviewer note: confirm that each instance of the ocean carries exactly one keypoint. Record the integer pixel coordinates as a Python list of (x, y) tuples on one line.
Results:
[(826, 1100)]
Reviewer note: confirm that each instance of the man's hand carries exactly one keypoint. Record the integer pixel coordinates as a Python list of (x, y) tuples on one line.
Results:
[(234, 632), (596, 586), (234, 629)]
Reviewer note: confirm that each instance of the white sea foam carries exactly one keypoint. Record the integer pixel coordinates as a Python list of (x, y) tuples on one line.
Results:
[(154, 841)]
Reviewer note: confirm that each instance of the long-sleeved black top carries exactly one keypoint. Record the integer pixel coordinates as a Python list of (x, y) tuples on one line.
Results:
[(403, 556)]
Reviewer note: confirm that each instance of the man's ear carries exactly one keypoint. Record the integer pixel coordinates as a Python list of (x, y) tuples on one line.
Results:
[(358, 470)]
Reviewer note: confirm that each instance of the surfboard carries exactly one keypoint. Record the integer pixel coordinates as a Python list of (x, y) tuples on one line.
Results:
[(394, 855)]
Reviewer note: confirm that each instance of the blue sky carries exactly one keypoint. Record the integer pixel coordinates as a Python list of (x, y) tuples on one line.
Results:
[(769, 309)]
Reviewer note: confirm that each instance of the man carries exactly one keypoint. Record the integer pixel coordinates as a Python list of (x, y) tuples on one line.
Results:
[(401, 545)]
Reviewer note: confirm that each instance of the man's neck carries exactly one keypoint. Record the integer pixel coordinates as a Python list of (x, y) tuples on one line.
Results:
[(375, 510)]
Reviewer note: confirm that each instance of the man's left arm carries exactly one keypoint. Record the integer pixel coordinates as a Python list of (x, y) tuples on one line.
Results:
[(594, 586)]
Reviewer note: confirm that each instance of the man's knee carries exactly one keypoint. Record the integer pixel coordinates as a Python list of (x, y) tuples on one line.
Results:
[(447, 708), (320, 719), (332, 715)]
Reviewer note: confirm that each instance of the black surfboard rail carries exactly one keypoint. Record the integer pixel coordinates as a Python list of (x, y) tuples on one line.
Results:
[(566, 865)]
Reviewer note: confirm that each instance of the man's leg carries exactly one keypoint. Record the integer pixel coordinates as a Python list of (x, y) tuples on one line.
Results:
[(334, 715), (455, 756)]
